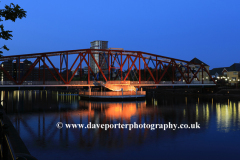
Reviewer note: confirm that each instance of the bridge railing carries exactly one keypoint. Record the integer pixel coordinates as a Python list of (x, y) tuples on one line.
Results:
[(46, 83), (118, 82), (181, 82), (117, 93), (108, 82), (6, 83), (204, 82), (142, 82), (80, 82)]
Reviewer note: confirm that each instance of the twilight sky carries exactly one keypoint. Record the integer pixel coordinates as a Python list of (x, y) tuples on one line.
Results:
[(183, 29)]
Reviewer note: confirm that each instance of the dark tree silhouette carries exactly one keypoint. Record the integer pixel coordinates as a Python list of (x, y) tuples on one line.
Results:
[(10, 12)]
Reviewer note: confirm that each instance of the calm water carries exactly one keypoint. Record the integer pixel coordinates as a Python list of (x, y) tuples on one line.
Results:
[(35, 114)]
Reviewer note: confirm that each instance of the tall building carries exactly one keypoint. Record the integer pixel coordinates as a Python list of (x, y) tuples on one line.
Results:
[(101, 60)]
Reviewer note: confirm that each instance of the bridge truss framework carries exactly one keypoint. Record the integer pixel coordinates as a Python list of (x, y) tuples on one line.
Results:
[(146, 67)]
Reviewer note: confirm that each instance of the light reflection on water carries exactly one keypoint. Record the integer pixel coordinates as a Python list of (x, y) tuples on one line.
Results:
[(35, 114)]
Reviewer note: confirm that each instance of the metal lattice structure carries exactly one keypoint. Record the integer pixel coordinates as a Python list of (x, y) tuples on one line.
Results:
[(121, 65)]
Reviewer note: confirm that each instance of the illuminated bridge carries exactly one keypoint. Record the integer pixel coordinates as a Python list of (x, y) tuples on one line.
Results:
[(75, 68)]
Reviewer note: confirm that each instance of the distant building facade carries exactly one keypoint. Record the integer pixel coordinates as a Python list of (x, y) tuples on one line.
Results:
[(15, 71), (230, 74), (200, 74), (193, 71), (35, 75)]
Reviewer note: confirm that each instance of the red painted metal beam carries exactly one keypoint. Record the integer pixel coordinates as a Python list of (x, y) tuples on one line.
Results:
[(156, 69), (128, 66), (109, 65), (29, 70), (39, 72), (148, 69), (182, 74), (121, 66), (49, 69), (67, 68), (133, 63), (74, 62), (56, 70), (165, 70), (139, 69), (173, 68), (129, 54), (75, 71), (209, 74), (7, 74), (88, 67), (98, 66), (61, 62), (19, 70), (130, 69), (115, 59), (80, 74), (84, 50), (195, 74)]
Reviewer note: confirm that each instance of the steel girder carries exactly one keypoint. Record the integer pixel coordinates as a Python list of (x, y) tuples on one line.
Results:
[(160, 68)]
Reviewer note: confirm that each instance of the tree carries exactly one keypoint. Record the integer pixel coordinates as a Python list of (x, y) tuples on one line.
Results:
[(11, 12)]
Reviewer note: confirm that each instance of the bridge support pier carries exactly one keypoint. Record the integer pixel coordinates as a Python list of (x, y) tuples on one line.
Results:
[(89, 90)]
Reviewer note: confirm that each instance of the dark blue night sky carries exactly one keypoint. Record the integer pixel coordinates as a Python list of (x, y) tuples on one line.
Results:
[(183, 29)]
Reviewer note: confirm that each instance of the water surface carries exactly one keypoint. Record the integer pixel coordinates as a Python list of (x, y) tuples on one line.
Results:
[(35, 114)]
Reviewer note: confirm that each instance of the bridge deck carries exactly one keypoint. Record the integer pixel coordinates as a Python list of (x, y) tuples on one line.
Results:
[(91, 85)]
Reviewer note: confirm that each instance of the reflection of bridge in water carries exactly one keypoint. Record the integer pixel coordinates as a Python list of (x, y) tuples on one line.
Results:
[(37, 127)]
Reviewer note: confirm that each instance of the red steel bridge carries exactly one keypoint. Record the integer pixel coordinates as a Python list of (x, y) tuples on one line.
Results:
[(112, 66)]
